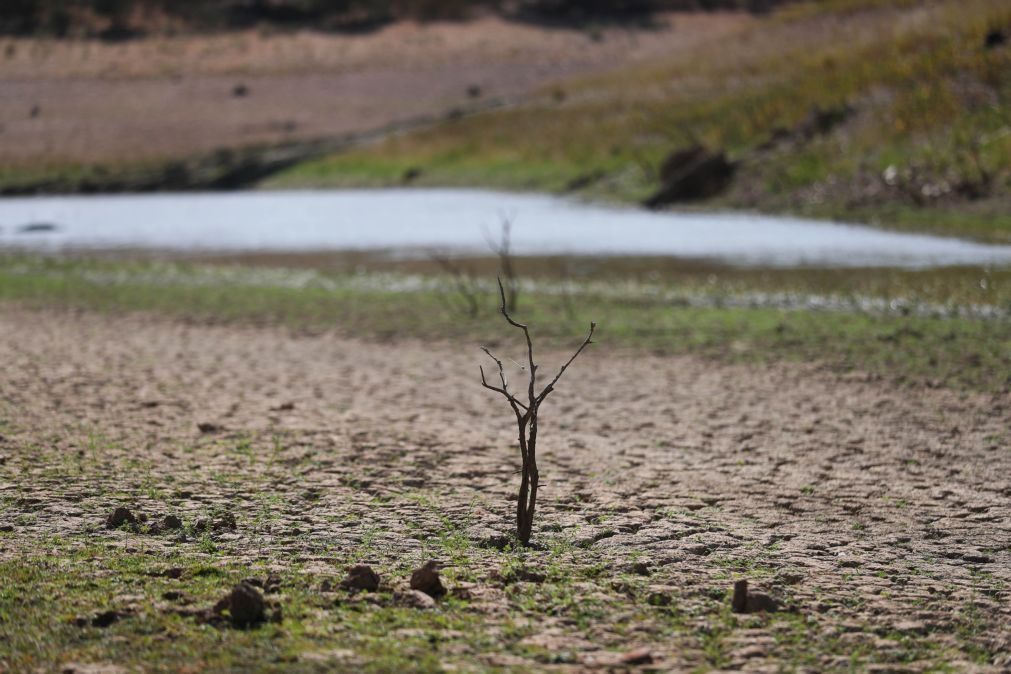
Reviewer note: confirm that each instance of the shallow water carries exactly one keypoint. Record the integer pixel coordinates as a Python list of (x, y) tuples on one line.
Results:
[(459, 221)]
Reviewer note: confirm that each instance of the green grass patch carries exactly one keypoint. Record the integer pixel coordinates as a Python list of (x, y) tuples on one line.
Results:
[(903, 340)]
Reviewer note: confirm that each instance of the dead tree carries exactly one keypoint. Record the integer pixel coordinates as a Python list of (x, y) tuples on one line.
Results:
[(526, 419)]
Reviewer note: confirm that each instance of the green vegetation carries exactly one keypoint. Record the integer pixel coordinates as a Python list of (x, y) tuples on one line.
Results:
[(893, 113), (922, 326)]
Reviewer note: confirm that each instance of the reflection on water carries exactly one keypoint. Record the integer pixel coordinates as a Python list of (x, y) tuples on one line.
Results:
[(457, 220)]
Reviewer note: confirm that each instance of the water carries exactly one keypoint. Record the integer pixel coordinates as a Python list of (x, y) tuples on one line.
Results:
[(459, 221)]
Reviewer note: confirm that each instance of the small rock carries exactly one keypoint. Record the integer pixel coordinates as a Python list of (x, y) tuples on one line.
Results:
[(692, 174), (173, 572), (751, 602), (362, 577), (640, 569), (6, 528), (474, 91), (240, 91), (245, 605), (426, 579), (37, 228), (172, 595), (208, 427), (995, 38), (119, 517), (171, 523), (417, 599), (102, 619)]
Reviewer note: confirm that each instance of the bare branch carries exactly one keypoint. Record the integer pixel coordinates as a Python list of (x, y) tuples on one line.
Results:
[(501, 370), (530, 343), (504, 390), (550, 387)]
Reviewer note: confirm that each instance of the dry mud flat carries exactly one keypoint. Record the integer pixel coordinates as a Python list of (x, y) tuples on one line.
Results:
[(164, 98), (879, 516)]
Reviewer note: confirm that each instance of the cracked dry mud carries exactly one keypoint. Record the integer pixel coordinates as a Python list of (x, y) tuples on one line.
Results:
[(880, 514)]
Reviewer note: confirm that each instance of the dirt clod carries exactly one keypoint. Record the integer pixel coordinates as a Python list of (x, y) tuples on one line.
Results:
[(361, 577), (101, 619), (119, 517), (245, 605), (745, 601), (426, 579), (171, 523)]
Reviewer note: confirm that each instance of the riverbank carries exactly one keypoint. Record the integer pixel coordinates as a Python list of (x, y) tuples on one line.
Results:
[(895, 115)]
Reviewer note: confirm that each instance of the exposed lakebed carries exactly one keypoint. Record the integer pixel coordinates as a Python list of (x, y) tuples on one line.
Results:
[(461, 222)]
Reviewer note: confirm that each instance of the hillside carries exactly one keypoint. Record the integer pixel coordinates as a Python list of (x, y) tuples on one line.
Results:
[(861, 110)]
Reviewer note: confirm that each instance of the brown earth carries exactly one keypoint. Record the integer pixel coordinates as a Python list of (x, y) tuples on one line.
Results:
[(878, 513), (171, 97)]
